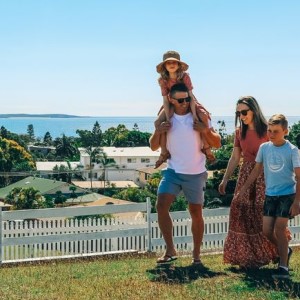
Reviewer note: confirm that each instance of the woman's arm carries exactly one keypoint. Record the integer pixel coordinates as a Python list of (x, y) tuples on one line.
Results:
[(232, 164)]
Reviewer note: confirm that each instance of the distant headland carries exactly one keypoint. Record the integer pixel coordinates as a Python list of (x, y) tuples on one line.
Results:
[(40, 116)]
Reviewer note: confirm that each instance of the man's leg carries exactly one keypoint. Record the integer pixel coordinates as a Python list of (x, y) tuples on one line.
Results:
[(197, 228), (165, 223)]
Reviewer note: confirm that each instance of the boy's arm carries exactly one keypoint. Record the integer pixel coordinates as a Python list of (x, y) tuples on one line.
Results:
[(295, 208), (253, 175)]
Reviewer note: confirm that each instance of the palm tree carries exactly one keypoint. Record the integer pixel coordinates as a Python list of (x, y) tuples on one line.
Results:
[(93, 152), (65, 147), (106, 163)]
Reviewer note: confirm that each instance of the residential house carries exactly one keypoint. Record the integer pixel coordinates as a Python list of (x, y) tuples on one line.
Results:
[(40, 149), (45, 168), (127, 161), (145, 173), (104, 200), (47, 187)]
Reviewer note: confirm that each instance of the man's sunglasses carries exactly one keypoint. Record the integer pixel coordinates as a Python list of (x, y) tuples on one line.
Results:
[(181, 100), (243, 112)]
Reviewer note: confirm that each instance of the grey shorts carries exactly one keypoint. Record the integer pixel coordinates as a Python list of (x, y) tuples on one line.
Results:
[(193, 186), (278, 206)]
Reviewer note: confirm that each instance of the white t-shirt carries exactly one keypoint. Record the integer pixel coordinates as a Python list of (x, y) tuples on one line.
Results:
[(185, 144)]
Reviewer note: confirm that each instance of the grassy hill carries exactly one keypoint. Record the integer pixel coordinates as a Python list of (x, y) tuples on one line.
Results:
[(137, 277)]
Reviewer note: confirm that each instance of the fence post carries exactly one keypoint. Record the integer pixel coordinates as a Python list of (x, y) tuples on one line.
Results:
[(149, 224), (1, 236)]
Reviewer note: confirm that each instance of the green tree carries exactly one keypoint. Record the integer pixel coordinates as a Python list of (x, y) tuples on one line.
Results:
[(97, 135), (59, 198), (116, 136), (136, 138), (25, 198), (137, 195), (62, 173), (294, 134), (66, 148), (47, 139), (73, 189), (105, 162), (13, 157), (30, 132), (85, 138), (89, 138), (21, 140)]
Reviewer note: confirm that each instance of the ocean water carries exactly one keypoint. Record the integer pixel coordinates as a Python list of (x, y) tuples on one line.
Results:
[(68, 126)]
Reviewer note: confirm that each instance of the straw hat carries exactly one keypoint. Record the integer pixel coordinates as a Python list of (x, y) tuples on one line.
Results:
[(171, 55)]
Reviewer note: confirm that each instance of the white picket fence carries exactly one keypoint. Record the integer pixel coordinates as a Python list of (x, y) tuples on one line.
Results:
[(30, 235)]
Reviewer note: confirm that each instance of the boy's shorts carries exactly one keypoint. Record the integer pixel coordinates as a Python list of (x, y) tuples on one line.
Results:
[(193, 186), (278, 206)]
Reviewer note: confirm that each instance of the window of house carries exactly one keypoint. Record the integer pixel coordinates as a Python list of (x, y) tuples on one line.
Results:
[(145, 160), (131, 160)]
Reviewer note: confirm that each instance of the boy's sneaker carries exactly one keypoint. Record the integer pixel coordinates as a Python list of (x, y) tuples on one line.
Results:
[(281, 273), (289, 256)]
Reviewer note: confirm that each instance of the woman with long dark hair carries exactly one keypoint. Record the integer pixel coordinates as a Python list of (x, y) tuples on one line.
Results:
[(245, 244)]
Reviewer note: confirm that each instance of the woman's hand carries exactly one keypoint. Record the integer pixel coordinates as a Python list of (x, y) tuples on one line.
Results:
[(222, 187)]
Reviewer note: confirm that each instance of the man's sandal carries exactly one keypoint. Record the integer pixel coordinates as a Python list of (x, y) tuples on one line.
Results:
[(166, 259)]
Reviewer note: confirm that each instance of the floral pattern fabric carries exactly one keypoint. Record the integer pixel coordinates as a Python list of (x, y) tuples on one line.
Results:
[(245, 244)]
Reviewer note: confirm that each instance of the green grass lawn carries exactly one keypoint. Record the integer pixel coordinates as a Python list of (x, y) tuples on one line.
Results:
[(138, 277)]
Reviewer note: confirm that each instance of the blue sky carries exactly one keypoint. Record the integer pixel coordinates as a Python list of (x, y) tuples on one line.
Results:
[(98, 58)]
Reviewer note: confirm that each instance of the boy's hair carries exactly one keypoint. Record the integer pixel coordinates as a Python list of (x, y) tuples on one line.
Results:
[(279, 119), (260, 122), (178, 87)]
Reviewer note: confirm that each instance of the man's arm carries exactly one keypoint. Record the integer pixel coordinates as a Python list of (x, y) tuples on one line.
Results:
[(154, 140)]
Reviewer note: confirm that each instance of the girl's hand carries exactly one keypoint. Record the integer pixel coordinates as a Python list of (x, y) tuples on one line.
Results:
[(163, 127), (203, 117), (199, 126)]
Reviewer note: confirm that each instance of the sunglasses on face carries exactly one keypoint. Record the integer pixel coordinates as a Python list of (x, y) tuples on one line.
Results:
[(181, 100), (243, 112)]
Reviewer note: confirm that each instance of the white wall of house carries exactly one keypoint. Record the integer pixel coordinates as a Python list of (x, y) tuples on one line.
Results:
[(127, 160)]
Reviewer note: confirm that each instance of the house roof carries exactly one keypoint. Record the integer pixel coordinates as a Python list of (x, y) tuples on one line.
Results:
[(100, 184), (104, 200), (41, 184), (152, 170), (127, 152), (90, 197), (49, 165)]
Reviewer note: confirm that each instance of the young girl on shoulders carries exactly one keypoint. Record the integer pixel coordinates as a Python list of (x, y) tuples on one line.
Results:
[(172, 70)]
